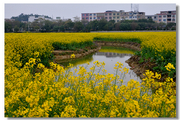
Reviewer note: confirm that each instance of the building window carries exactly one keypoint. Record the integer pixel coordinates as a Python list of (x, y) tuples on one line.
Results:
[(94, 14), (173, 19), (86, 14), (117, 20), (114, 13), (86, 17), (98, 18), (117, 13), (168, 19), (159, 16), (105, 17), (138, 16), (135, 16), (83, 18), (117, 17), (164, 15), (114, 17), (105, 13), (109, 17), (164, 20), (130, 16), (159, 19), (173, 16), (90, 17), (109, 13), (90, 14), (168, 15), (94, 17), (82, 14), (154, 17)]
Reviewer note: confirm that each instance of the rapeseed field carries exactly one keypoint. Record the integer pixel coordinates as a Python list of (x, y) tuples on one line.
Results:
[(55, 91)]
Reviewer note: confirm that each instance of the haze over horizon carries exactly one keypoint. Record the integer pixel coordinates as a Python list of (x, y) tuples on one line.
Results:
[(68, 11)]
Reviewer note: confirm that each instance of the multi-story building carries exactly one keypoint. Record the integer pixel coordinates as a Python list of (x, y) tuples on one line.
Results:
[(166, 16), (153, 17), (33, 18), (113, 15)]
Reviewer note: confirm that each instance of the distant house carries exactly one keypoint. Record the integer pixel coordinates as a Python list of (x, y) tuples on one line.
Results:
[(33, 18), (163, 16)]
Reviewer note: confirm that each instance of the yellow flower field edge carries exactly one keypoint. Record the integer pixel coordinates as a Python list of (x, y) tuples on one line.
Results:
[(61, 93), (20, 47)]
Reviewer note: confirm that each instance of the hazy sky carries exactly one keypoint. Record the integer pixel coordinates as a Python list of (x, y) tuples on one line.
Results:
[(71, 10)]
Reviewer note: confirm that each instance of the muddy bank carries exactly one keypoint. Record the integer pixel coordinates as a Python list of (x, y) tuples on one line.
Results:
[(140, 68), (66, 54), (130, 45)]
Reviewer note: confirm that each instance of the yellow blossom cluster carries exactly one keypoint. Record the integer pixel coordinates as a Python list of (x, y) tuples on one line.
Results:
[(169, 66), (60, 94)]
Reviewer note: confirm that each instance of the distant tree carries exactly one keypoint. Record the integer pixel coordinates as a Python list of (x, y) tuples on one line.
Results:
[(78, 26), (68, 25), (109, 25), (62, 28), (125, 26), (134, 25), (102, 23), (170, 25), (8, 27), (117, 26), (56, 28), (142, 25), (76, 19), (36, 28), (48, 25), (94, 25), (16, 29), (150, 20)]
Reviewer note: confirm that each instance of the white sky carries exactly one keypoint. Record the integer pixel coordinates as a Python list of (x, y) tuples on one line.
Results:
[(71, 10)]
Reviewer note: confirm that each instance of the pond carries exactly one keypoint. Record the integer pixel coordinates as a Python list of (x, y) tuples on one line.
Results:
[(110, 55)]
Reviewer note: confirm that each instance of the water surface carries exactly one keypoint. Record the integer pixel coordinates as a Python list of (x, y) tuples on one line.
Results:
[(110, 55)]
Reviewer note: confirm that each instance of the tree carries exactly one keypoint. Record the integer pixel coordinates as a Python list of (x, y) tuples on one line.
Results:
[(8, 27), (78, 26), (16, 29), (170, 25), (102, 23), (56, 28), (68, 25), (94, 25), (125, 26), (76, 19), (48, 25), (134, 26), (117, 26), (62, 28)]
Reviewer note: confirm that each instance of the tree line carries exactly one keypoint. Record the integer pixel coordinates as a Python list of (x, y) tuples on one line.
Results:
[(41, 25)]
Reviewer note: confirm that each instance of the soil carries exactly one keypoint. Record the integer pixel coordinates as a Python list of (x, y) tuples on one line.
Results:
[(131, 45), (140, 68), (61, 55)]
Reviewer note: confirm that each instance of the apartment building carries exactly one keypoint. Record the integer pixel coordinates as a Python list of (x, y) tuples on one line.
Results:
[(153, 17), (166, 16), (33, 18), (113, 15)]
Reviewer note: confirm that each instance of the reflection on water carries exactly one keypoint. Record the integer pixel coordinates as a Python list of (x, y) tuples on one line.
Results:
[(110, 55)]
